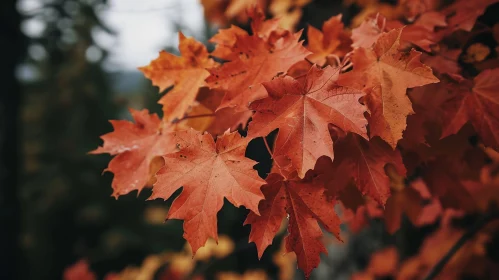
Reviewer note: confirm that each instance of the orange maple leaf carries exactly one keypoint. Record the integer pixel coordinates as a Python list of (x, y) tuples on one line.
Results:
[(406, 201), (225, 40), (135, 145), (260, 27), (208, 172), (387, 73), (383, 263), (302, 110), (307, 205), (332, 40), (257, 62), (186, 73)]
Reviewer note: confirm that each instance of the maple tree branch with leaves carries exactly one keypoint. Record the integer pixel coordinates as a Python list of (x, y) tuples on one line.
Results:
[(358, 110)]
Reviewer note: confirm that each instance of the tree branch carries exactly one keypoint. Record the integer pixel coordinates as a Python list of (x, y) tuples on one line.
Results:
[(479, 224)]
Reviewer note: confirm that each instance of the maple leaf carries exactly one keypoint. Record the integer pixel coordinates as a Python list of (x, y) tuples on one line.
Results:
[(302, 111), (488, 192), (368, 31), (417, 128), (332, 40), (415, 8), (368, 160), (79, 271), (474, 101), (186, 73), (422, 32), (462, 14), (261, 26), (307, 205), (208, 172), (432, 209), (445, 61), (227, 38), (429, 99), (359, 218), (136, 145), (406, 201), (258, 62), (383, 263), (445, 182), (300, 69), (387, 73)]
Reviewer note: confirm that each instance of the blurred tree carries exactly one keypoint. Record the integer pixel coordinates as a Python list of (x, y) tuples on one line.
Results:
[(67, 211), (11, 51)]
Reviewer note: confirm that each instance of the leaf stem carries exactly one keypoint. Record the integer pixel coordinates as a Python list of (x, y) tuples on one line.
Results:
[(268, 147), (272, 155), (479, 224)]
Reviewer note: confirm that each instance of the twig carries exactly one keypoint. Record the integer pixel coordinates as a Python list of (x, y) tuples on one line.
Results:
[(480, 223)]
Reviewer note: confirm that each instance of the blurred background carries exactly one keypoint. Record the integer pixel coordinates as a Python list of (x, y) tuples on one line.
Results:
[(67, 67)]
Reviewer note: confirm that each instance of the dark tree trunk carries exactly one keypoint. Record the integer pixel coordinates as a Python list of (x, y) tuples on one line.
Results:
[(11, 47)]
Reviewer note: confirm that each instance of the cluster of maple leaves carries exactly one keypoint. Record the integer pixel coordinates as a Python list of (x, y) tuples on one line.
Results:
[(365, 121)]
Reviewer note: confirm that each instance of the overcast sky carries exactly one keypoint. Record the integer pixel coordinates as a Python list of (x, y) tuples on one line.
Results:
[(143, 27)]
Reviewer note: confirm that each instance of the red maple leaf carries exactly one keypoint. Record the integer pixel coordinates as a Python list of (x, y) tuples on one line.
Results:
[(306, 205), (367, 161), (135, 145), (227, 38), (302, 110), (386, 73), (380, 134), (257, 62), (208, 173), (186, 73), (333, 40), (474, 101)]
